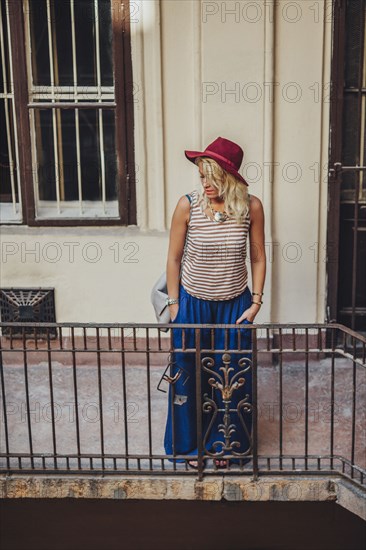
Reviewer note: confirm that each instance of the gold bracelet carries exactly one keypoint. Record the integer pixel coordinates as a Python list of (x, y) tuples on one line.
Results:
[(258, 303)]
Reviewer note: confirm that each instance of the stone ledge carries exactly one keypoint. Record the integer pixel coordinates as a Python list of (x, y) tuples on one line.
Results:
[(233, 488)]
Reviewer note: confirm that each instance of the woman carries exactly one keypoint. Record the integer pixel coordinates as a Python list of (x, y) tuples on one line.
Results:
[(213, 288)]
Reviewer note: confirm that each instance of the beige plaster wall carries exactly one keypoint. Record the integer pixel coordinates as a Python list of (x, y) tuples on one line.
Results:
[(187, 56)]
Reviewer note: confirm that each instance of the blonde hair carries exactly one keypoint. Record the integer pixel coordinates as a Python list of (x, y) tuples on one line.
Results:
[(233, 191)]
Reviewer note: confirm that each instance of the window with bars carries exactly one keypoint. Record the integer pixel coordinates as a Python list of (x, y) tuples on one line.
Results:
[(66, 113)]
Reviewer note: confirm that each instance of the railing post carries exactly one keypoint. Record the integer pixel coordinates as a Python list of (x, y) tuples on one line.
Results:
[(255, 404), (199, 403)]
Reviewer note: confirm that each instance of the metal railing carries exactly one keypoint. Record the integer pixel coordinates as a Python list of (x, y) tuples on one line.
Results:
[(81, 398)]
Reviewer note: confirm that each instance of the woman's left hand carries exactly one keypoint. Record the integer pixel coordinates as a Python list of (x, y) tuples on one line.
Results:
[(249, 314)]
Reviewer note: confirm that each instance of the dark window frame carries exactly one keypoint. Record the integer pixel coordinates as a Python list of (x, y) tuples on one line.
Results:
[(124, 122), (336, 168)]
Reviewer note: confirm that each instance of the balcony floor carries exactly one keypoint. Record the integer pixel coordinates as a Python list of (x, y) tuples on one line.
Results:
[(293, 419)]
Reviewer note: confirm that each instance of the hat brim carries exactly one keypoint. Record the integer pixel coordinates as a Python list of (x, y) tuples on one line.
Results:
[(192, 155)]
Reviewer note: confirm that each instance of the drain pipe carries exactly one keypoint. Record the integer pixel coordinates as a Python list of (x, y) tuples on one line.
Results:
[(268, 139)]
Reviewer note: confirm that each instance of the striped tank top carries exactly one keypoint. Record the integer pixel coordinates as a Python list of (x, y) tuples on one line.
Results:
[(213, 264)]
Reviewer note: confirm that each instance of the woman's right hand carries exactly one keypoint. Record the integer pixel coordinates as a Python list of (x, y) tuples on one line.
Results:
[(173, 311)]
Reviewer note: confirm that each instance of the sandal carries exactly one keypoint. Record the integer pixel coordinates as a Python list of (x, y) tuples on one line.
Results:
[(221, 463), (194, 464)]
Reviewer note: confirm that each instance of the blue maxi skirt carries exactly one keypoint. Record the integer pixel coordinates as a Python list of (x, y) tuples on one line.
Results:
[(226, 419)]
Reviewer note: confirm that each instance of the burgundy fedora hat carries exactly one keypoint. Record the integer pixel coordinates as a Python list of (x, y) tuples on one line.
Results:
[(226, 153)]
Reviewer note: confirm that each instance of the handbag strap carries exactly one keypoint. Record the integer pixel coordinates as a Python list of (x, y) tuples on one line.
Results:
[(185, 243)]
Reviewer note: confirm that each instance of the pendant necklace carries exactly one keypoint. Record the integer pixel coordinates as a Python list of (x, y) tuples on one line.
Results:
[(218, 216)]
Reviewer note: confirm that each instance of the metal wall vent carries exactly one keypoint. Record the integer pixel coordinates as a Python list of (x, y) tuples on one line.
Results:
[(28, 305)]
